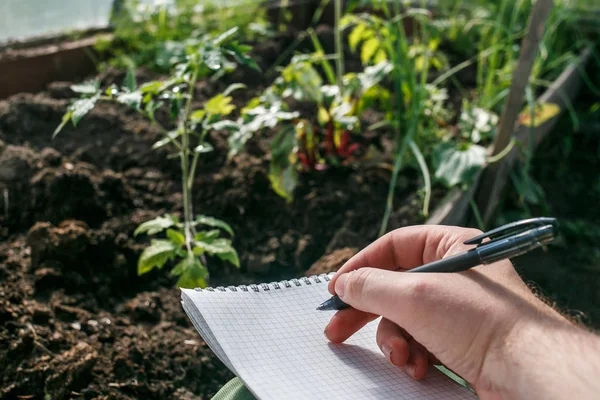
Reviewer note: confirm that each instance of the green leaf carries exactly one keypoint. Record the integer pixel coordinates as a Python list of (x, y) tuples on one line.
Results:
[(543, 113), (221, 248), (197, 115), (323, 116), (283, 181), (156, 225), (282, 145), (81, 107), (86, 88), (66, 118), (373, 75), (169, 53), (130, 82), (233, 87), (369, 48), (192, 273), (151, 87), (214, 223), (156, 255), (204, 148), (380, 56), (230, 256), (207, 236), (225, 36), (241, 56), (455, 165), (224, 125), (176, 237), (356, 36), (219, 105), (171, 135), (133, 99)]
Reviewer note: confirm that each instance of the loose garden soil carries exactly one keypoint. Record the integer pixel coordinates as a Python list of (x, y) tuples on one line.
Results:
[(75, 319)]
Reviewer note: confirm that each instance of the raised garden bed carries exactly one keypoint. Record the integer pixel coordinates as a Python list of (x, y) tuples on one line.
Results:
[(70, 289), (76, 320)]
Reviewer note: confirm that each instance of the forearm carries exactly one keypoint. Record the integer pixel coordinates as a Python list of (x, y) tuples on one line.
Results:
[(552, 360)]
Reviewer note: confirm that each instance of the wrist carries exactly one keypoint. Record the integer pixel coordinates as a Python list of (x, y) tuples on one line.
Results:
[(545, 358)]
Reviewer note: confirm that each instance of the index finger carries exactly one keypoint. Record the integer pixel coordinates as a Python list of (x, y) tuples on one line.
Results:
[(408, 248)]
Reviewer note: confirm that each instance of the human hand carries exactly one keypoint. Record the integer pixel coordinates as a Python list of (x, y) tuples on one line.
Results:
[(471, 321)]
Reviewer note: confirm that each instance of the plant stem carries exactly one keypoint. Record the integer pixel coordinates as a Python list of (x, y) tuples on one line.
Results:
[(339, 49), (331, 77), (426, 175), (186, 177)]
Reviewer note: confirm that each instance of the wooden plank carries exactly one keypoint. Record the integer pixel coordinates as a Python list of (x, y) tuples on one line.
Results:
[(454, 209), (563, 90), (495, 176), (31, 69)]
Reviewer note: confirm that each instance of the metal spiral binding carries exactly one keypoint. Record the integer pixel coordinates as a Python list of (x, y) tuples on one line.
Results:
[(265, 287)]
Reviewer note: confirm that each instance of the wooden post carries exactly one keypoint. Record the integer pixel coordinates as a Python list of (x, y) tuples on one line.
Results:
[(496, 174)]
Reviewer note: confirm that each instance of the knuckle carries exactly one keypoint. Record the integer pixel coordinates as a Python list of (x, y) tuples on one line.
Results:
[(355, 285), (420, 289)]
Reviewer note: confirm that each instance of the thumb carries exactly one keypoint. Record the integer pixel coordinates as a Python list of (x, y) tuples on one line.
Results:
[(397, 296)]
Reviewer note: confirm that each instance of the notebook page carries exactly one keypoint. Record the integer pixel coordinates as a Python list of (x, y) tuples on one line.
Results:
[(274, 341)]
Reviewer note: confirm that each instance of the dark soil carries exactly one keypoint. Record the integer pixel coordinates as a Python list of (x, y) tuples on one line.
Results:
[(75, 319)]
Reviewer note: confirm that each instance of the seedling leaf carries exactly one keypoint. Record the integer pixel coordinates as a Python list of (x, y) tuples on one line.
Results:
[(224, 125), (86, 88), (66, 118), (214, 223), (204, 148), (369, 48), (207, 236), (284, 181), (81, 107), (130, 82), (224, 36), (176, 237), (191, 273), (156, 255), (171, 135), (156, 225), (221, 248), (133, 99), (356, 36), (219, 105), (231, 256)]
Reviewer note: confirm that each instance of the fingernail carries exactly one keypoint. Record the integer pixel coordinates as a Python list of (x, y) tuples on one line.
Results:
[(340, 285), (387, 352)]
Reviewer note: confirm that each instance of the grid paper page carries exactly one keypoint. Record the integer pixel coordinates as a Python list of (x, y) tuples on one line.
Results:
[(273, 340)]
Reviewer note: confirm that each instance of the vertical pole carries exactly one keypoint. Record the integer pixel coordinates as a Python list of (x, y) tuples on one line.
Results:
[(495, 176)]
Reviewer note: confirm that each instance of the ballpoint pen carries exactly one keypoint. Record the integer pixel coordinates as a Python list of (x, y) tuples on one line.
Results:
[(505, 242)]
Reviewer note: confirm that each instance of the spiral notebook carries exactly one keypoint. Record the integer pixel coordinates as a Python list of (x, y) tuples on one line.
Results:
[(271, 337)]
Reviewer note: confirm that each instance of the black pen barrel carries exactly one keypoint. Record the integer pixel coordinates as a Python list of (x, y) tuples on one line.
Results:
[(456, 263)]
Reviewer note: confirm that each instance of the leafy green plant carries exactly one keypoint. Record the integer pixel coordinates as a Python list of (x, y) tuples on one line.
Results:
[(161, 34), (188, 240), (386, 39), (325, 136)]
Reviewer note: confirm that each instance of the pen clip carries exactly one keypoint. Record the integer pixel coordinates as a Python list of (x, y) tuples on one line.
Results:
[(510, 229)]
